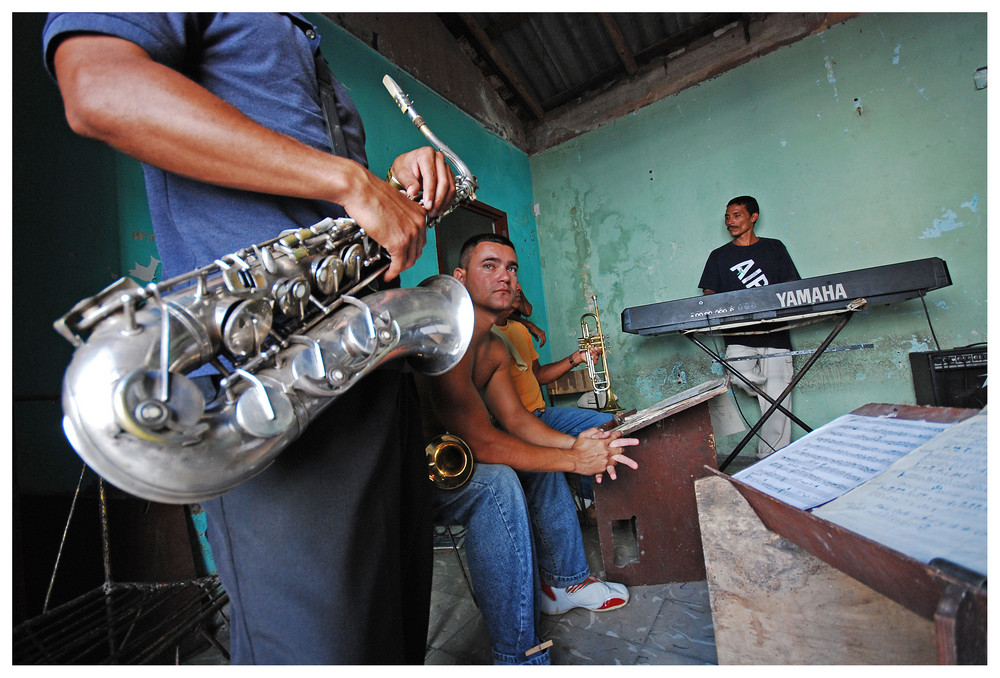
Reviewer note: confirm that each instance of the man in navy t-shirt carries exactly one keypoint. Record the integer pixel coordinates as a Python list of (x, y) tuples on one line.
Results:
[(326, 555), (745, 262)]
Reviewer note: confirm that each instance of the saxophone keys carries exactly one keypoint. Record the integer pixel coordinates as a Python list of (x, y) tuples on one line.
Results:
[(139, 412), (246, 326), (264, 411), (310, 372), (290, 295), (353, 258), (327, 273)]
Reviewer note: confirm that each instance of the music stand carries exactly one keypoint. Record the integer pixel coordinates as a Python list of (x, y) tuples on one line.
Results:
[(846, 315)]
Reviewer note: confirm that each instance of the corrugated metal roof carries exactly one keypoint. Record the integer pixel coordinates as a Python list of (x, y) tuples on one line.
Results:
[(545, 60)]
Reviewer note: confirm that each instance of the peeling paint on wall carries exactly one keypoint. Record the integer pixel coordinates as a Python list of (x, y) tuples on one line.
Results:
[(677, 375), (830, 77), (948, 221), (842, 191), (918, 346), (651, 386)]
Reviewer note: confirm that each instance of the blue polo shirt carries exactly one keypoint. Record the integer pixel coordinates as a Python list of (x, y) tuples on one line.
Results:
[(265, 65)]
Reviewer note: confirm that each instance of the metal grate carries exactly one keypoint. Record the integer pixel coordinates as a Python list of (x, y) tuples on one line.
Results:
[(118, 623)]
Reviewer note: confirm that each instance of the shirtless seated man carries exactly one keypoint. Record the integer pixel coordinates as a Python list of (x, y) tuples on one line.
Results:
[(523, 541)]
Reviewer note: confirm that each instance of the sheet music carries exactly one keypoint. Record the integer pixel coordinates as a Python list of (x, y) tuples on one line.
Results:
[(930, 504), (836, 458)]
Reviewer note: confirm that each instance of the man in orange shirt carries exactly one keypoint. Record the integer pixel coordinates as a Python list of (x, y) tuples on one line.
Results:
[(529, 376)]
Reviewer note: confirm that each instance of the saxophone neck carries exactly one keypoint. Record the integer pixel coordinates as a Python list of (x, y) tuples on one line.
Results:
[(465, 181)]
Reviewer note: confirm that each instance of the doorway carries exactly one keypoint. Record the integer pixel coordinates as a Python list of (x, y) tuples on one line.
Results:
[(466, 221)]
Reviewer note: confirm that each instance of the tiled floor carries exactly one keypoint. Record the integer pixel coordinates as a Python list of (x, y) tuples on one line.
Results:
[(662, 624)]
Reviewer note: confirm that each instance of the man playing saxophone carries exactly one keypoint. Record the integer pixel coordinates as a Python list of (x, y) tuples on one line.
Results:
[(516, 496), (226, 112)]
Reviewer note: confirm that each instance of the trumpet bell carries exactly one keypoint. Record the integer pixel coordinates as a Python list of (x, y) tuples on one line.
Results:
[(449, 461), (610, 403)]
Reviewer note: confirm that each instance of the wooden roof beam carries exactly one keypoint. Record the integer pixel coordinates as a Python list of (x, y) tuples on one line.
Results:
[(615, 33), (505, 68)]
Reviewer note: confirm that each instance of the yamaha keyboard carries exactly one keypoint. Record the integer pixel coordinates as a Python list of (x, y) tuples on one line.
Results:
[(783, 302)]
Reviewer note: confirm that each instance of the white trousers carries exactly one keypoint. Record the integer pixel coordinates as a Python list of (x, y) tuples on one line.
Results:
[(771, 375)]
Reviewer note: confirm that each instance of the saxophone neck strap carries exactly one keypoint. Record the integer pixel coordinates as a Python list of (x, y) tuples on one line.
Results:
[(328, 98)]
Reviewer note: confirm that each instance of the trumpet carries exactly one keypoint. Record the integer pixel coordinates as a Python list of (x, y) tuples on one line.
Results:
[(598, 374), (449, 461)]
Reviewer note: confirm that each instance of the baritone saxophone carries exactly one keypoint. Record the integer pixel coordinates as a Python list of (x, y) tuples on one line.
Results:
[(289, 325)]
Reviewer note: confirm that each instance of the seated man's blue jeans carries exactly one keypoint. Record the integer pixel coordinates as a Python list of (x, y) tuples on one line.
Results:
[(574, 421), (519, 526)]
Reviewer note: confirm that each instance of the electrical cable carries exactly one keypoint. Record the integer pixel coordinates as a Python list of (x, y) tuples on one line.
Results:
[(930, 325), (736, 400)]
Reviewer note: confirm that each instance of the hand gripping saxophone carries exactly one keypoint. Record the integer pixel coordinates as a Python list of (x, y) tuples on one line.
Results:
[(281, 321)]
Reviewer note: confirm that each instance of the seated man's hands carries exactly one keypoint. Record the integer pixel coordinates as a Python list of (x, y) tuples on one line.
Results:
[(597, 455)]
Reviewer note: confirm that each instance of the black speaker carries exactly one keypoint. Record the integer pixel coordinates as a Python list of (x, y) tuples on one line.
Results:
[(953, 378)]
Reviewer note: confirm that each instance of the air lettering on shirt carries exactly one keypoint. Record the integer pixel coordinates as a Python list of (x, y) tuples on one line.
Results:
[(756, 278), (811, 295)]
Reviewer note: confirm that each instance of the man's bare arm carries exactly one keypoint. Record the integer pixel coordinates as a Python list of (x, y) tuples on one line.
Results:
[(463, 411), (590, 449), (460, 408), (114, 92)]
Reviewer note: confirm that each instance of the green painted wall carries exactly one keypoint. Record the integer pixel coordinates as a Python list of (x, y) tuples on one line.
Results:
[(502, 171), (631, 210)]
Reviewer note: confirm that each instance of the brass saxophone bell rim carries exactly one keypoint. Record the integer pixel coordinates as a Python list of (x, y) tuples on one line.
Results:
[(449, 461)]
